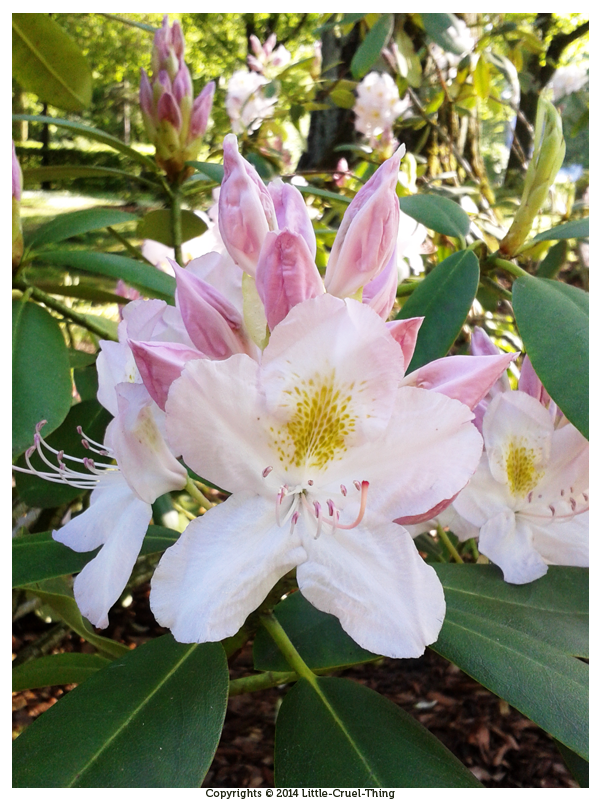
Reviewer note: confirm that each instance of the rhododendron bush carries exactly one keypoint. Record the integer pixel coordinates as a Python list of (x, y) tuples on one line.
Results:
[(336, 413)]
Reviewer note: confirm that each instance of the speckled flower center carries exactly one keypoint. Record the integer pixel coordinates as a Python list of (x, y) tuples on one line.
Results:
[(521, 468)]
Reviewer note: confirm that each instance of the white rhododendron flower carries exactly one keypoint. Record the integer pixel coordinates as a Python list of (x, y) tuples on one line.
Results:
[(246, 103), (567, 80), (378, 104), (321, 448)]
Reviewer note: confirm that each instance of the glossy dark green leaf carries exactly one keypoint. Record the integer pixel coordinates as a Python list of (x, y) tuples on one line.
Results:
[(37, 557), (152, 282), (56, 670), (152, 719), (213, 171), (91, 133), (370, 49), (47, 62), (437, 213), (437, 27), (37, 492), (444, 298), (41, 378), (339, 733), (86, 382), (553, 320), (517, 641), (318, 637), (157, 225), (57, 594), (555, 258), (575, 229), (578, 767), (77, 222), (78, 359)]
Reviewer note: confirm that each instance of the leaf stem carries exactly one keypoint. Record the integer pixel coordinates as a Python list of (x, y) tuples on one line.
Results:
[(263, 680), (195, 492), (176, 224), (507, 266), (446, 540), (283, 642)]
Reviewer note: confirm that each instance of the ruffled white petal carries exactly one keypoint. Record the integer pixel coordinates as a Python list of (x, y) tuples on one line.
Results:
[(222, 568), (565, 543), (375, 582), (483, 497), (507, 540), (117, 520)]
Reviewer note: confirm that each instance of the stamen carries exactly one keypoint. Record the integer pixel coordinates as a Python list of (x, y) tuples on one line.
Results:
[(552, 509), (343, 489), (364, 487), (573, 503), (310, 483), (40, 425), (266, 471), (358, 485), (331, 507), (295, 518)]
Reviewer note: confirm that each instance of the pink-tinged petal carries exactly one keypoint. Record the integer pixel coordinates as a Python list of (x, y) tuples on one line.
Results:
[(201, 111), (351, 341), (168, 110), (291, 212), (517, 431), (142, 318), (368, 233), (375, 582), (146, 96), (564, 543), (483, 497), (160, 364), (143, 457), (286, 275), (482, 345), (426, 455), (117, 520), (465, 378), (246, 211), (177, 39), (221, 271), (380, 293), (255, 45), (531, 384), (115, 364), (214, 325), (270, 44), (215, 419), (405, 332), (222, 568), (507, 540), (182, 85)]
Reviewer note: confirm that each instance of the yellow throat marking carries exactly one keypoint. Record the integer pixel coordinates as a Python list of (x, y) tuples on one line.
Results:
[(521, 468), (321, 419)]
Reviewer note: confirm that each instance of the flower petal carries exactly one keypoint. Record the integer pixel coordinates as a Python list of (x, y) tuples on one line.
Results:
[(564, 543), (222, 568), (483, 497), (507, 540), (375, 582), (405, 332)]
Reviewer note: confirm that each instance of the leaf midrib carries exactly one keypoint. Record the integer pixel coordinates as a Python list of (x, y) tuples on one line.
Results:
[(509, 603)]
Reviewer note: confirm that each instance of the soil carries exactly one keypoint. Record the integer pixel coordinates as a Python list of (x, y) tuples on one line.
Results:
[(498, 744)]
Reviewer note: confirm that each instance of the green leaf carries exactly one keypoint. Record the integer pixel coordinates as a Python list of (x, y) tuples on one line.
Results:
[(41, 378), (38, 493), (213, 171), (152, 719), (157, 225), (437, 213), (333, 196), (370, 49), (343, 98), (48, 63), (318, 637), (79, 358), (149, 280), (91, 133), (575, 229), (444, 299), (578, 767), (517, 641), (339, 733), (37, 557), (56, 670), (437, 25), (555, 258), (69, 173), (481, 78), (77, 222), (56, 593), (553, 321)]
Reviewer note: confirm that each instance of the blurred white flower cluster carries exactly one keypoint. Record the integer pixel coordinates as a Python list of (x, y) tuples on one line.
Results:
[(377, 106), (567, 80)]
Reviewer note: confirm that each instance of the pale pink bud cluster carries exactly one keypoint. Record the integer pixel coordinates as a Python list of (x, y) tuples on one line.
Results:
[(266, 58), (378, 105), (174, 121)]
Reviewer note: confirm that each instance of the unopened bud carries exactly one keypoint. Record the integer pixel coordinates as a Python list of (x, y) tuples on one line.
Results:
[(17, 228)]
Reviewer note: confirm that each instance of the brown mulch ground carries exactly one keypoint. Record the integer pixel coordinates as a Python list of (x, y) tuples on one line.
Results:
[(500, 746)]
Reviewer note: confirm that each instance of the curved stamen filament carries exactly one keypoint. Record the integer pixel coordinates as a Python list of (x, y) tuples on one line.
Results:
[(364, 488)]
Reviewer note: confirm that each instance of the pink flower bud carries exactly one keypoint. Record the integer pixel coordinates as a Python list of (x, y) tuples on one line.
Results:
[(160, 363), (269, 45), (246, 211), (214, 325), (380, 293), (17, 177), (531, 384), (368, 233), (405, 332), (482, 345), (256, 46), (177, 39), (182, 85), (168, 110), (285, 274), (146, 95), (254, 64), (201, 111), (291, 213)]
